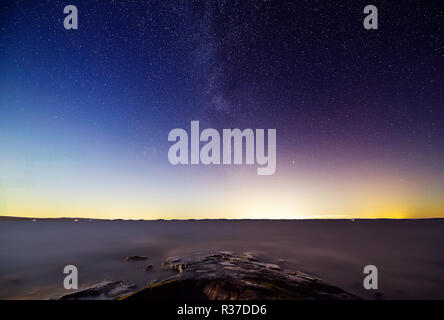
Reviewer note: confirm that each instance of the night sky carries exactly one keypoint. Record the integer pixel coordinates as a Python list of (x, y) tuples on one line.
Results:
[(85, 114)]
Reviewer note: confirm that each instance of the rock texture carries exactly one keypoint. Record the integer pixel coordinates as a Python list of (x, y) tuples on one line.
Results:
[(224, 276), (102, 291)]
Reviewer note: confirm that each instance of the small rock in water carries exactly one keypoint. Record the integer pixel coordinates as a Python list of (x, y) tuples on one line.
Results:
[(148, 268), (135, 258)]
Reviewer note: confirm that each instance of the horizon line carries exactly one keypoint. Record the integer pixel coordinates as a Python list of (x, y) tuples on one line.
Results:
[(209, 219)]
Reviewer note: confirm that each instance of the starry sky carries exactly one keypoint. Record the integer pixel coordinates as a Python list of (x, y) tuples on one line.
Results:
[(85, 114)]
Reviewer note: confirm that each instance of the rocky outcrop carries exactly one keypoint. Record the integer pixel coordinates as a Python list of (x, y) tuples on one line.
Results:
[(224, 276), (104, 290)]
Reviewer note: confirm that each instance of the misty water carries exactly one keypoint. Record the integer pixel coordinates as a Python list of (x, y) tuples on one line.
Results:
[(408, 253)]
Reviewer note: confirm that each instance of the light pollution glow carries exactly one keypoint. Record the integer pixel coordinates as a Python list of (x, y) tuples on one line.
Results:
[(66, 189)]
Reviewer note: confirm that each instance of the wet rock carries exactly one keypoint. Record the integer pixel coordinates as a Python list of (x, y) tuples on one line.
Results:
[(153, 281), (148, 268), (176, 263), (135, 258), (379, 296), (121, 290), (272, 266), (249, 256), (101, 291), (224, 275)]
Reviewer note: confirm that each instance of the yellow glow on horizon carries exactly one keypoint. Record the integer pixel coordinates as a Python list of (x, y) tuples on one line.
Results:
[(306, 195)]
